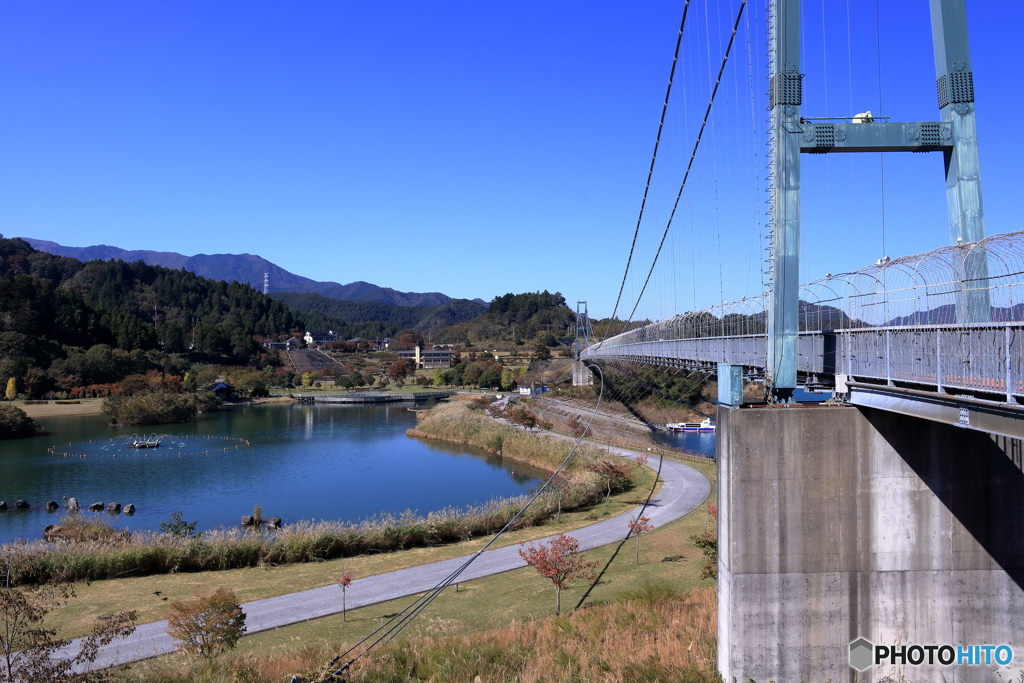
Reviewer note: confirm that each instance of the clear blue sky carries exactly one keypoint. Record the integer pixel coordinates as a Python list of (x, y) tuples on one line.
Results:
[(472, 148)]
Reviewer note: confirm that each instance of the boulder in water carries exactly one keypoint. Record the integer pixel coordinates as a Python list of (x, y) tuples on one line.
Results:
[(96, 507), (113, 507), (129, 509), (248, 520), (72, 503), (52, 505), (274, 523), (53, 531), (3, 505), (22, 504)]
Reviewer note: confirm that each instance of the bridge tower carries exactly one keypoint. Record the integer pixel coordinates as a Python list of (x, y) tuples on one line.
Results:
[(955, 135), (580, 374)]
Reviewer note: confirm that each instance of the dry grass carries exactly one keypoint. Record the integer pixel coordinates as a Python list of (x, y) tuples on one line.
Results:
[(456, 421), (651, 634)]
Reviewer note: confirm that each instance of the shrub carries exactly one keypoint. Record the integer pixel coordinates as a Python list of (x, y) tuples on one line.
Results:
[(176, 526), (153, 408), (14, 422), (207, 625)]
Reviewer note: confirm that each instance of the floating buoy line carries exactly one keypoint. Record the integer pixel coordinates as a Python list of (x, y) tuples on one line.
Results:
[(146, 446)]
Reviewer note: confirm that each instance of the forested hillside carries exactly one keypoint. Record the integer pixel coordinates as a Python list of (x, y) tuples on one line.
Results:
[(64, 322), (422, 319), (517, 318)]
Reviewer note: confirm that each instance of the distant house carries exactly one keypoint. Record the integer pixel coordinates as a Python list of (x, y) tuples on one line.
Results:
[(533, 388), (371, 344), (224, 391), (319, 338), (291, 343), (429, 358)]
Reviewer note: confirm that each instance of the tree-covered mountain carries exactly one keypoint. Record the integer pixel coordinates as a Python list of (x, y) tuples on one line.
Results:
[(516, 318), (246, 268), (422, 319), (68, 322)]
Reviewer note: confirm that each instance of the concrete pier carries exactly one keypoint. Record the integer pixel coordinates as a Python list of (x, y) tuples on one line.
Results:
[(581, 375), (839, 523)]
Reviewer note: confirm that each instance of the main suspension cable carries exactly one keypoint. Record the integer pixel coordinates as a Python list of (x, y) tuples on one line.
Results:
[(693, 155), (654, 156)]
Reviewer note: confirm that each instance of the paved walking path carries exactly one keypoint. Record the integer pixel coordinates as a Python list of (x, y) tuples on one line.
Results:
[(683, 489)]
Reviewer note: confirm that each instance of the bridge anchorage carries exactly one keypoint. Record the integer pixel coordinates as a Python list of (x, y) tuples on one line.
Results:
[(892, 515)]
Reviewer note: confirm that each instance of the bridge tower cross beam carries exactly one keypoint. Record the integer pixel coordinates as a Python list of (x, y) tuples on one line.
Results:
[(955, 135)]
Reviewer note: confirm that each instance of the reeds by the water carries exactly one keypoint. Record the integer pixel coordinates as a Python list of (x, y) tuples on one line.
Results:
[(92, 553)]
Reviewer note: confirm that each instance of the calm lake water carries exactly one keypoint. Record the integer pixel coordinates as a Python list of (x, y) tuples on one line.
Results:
[(301, 462)]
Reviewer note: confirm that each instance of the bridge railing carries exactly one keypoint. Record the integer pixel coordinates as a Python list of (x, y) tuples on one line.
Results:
[(985, 357), (950, 318)]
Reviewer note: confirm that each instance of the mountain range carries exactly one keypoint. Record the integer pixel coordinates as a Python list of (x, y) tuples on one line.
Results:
[(247, 268)]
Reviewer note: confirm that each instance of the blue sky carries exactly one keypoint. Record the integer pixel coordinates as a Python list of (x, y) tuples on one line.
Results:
[(472, 148)]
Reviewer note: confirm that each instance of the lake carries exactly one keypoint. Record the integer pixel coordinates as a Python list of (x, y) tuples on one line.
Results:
[(297, 461)]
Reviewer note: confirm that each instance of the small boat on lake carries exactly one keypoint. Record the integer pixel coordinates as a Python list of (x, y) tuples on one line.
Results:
[(706, 425)]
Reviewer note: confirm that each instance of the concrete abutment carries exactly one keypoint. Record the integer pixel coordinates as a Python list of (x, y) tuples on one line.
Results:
[(838, 522)]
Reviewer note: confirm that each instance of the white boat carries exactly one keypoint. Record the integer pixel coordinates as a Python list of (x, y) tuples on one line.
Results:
[(706, 425)]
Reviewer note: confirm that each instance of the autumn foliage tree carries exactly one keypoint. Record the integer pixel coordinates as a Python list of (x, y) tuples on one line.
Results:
[(642, 461), (708, 544), (345, 580), (207, 625), (560, 561), (637, 526), (29, 650)]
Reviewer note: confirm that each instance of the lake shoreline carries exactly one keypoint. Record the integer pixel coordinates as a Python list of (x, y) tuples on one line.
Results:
[(94, 406)]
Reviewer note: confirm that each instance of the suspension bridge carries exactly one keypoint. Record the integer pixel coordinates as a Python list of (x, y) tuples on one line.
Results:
[(888, 519)]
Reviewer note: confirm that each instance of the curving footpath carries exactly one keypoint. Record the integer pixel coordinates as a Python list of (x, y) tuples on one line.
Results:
[(683, 489)]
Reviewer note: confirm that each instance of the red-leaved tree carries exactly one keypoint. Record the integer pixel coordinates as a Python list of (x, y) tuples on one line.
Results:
[(642, 461), (637, 526), (561, 561), (345, 581)]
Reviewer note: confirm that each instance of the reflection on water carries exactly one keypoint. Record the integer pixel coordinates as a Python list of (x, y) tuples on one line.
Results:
[(694, 443), (703, 444), (303, 462)]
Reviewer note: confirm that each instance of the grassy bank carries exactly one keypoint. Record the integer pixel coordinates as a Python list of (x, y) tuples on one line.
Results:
[(461, 422)]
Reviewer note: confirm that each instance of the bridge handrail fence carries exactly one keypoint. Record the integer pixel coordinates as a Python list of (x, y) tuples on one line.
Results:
[(897, 321)]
